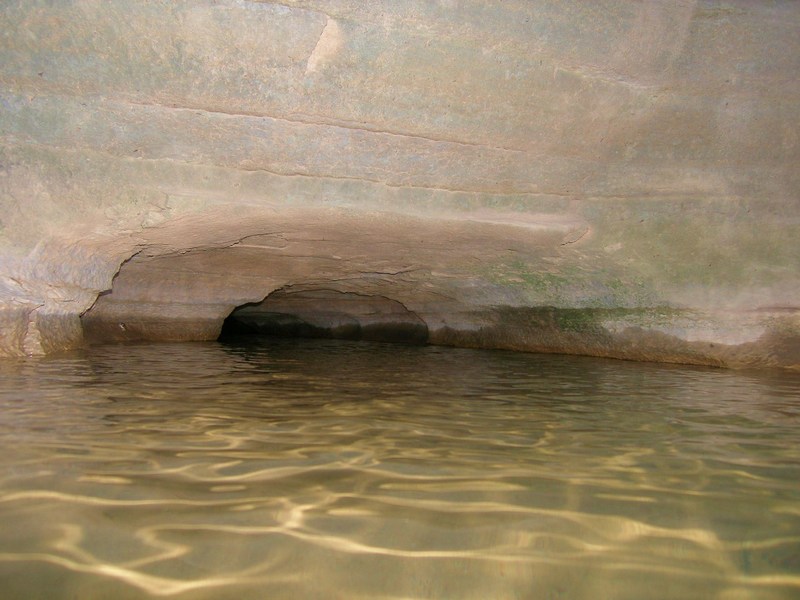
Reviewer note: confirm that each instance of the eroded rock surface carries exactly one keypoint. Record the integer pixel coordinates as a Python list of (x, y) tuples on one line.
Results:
[(609, 178)]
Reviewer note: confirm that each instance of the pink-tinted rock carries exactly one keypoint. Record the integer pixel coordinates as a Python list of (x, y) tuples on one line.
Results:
[(609, 178)]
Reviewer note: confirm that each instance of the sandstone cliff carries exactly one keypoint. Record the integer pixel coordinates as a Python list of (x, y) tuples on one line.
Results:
[(613, 178)]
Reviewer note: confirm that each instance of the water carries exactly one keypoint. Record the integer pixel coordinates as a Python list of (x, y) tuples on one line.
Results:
[(321, 469)]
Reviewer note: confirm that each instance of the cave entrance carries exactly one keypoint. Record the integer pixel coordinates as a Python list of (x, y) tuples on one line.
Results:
[(324, 313)]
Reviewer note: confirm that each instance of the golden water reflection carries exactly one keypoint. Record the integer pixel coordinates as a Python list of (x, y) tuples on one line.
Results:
[(337, 470)]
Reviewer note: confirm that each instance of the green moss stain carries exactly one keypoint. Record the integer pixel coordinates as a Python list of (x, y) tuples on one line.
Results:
[(571, 285), (589, 320)]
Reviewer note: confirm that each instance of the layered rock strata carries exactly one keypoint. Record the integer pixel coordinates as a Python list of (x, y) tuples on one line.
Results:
[(612, 178)]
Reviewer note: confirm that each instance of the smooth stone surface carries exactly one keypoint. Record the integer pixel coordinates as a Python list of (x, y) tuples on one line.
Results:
[(608, 178)]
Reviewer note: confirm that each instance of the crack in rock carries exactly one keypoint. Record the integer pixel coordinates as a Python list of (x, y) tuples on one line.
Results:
[(328, 45)]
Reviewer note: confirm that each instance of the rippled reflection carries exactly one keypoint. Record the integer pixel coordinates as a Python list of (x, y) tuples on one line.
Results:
[(328, 469)]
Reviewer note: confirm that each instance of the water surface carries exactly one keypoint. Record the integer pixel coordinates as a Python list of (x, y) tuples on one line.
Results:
[(322, 469)]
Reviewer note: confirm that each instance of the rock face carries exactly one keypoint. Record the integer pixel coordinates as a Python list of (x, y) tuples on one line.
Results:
[(612, 178)]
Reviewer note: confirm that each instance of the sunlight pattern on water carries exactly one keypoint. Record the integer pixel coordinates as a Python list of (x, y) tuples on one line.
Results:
[(324, 469)]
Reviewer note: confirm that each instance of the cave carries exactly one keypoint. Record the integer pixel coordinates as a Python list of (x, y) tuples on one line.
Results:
[(326, 314), (378, 299), (615, 180)]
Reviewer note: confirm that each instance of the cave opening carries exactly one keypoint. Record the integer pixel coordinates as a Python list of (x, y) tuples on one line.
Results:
[(327, 314)]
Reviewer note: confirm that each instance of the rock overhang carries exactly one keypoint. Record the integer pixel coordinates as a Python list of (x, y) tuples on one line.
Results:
[(612, 179)]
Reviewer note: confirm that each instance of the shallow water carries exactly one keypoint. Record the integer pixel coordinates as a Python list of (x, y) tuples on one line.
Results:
[(321, 469)]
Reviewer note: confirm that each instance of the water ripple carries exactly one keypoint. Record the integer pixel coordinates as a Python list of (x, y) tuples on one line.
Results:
[(336, 470)]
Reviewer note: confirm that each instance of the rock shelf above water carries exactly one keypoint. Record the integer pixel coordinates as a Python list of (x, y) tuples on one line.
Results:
[(616, 178)]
